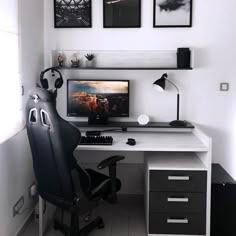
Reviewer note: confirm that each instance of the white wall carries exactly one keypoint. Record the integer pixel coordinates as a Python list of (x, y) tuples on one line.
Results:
[(16, 173), (212, 36)]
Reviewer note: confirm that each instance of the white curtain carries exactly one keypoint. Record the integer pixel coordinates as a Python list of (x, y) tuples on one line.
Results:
[(11, 116)]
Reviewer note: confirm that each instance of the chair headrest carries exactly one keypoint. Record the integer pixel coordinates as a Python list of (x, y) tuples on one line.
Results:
[(41, 95)]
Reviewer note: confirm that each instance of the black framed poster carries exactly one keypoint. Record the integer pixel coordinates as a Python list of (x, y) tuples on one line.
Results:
[(172, 13), (72, 14), (121, 13)]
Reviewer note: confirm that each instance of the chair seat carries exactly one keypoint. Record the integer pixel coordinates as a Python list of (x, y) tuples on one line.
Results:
[(101, 184)]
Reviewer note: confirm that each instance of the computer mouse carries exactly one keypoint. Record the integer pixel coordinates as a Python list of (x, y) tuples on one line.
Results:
[(131, 142)]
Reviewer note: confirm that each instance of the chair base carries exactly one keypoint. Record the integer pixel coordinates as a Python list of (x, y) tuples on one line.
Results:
[(60, 227), (96, 223)]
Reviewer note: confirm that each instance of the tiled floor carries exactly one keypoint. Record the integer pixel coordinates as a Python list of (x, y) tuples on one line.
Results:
[(126, 218)]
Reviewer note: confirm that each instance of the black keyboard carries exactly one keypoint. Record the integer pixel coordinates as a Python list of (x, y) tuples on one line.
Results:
[(96, 140)]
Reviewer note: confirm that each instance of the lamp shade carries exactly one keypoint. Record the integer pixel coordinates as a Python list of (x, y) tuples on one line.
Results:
[(160, 84)]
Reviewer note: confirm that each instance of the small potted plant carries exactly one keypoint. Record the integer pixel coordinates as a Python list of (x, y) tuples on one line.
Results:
[(74, 61), (90, 59)]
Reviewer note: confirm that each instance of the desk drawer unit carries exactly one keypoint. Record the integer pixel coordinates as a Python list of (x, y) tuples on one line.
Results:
[(177, 202), (177, 223), (178, 181)]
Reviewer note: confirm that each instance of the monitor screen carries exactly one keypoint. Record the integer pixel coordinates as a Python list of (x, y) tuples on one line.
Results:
[(108, 96)]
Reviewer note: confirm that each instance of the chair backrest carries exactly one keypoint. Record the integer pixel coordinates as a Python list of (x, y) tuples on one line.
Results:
[(52, 141)]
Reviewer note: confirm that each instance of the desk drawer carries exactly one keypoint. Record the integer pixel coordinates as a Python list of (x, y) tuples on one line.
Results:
[(177, 202), (176, 223), (178, 181)]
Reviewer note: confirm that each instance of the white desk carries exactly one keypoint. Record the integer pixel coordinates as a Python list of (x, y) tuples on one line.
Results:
[(194, 141), (151, 141)]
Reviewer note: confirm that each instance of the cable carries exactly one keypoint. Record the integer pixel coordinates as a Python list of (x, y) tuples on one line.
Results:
[(108, 130)]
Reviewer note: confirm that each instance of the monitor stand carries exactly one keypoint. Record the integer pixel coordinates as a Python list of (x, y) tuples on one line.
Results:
[(97, 119)]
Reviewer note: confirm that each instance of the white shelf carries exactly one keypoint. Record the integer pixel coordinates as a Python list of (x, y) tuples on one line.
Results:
[(174, 161), (121, 59)]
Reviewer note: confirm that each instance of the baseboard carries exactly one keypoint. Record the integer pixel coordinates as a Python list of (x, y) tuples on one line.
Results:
[(26, 223)]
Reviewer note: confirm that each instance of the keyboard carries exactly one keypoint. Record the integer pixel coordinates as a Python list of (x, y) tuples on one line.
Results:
[(96, 140)]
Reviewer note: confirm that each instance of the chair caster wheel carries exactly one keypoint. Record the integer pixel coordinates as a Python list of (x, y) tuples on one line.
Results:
[(60, 227), (87, 218), (56, 226), (101, 225), (65, 231)]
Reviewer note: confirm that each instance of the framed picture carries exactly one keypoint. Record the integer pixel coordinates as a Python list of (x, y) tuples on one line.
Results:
[(121, 13), (172, 13), (72, 14)]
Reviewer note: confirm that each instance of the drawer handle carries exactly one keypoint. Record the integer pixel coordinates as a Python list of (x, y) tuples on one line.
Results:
[(177, 221), (175, 199), (182, 178)]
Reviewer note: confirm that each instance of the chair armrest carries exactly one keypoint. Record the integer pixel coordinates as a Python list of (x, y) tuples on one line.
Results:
[(109, 161)]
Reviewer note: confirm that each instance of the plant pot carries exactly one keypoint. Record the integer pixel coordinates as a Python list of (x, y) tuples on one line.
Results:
[(90, 63)]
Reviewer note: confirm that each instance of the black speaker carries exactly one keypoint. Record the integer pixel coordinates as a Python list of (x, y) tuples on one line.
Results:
[(183, 57), (223, 202)]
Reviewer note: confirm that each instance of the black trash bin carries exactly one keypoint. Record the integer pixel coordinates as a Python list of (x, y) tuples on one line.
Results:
[(223, 202)]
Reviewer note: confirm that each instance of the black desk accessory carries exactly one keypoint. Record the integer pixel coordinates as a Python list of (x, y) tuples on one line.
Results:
[(131, 142), (160, 85)]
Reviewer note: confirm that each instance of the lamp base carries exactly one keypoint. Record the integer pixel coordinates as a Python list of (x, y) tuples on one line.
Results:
[(178, 123)]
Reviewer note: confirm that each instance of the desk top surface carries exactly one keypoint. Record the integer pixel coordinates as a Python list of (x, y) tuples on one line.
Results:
[(151, 141)]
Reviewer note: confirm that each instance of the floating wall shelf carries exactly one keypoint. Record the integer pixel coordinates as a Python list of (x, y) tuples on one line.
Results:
[(121, 60), (122, 68)]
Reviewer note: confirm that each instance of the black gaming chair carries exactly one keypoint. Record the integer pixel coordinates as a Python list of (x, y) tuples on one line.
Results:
[(61, 181)]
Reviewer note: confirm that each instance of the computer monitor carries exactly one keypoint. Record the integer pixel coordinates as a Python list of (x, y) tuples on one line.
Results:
[(101, 96)]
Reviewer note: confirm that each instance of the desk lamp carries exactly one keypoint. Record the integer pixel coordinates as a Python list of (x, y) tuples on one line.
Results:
[(160, 85)]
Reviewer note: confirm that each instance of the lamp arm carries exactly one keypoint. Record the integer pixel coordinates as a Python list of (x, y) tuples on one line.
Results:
[(177, 97), (173, 85), (178, 106)]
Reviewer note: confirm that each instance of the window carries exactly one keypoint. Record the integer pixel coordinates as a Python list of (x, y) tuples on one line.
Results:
[(11, 115)]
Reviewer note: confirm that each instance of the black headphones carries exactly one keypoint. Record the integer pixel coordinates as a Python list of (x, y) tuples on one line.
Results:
[(58, 82)]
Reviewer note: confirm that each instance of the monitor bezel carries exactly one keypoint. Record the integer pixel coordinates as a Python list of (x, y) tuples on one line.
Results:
[(118, 80)]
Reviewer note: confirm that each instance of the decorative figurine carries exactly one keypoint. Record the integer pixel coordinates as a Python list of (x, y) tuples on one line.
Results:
[(60, 60)]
